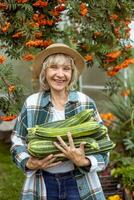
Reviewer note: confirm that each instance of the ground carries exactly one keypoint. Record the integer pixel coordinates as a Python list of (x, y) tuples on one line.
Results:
[(11, 178)]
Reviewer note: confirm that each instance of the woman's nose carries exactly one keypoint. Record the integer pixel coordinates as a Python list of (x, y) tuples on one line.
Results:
[(60, 72)]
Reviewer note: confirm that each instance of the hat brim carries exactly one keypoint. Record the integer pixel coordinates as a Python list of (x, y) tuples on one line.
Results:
[(53, 49)]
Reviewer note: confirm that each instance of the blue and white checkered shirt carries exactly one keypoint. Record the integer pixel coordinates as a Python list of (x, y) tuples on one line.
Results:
[(37, 110)]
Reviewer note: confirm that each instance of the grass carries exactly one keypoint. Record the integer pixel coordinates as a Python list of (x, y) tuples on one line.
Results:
[(11, 178)]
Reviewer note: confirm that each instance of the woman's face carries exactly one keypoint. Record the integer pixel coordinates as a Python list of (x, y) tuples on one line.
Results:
[(58, 75)]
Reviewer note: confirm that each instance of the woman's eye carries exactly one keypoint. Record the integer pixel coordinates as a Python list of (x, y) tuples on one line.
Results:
[(53, 67), (67, 68)]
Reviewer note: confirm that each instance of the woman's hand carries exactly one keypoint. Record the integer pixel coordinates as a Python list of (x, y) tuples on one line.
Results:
[(34, 163), (76, 155)]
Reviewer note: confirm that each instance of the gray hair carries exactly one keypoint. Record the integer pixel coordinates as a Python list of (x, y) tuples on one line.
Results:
[(52, 60)]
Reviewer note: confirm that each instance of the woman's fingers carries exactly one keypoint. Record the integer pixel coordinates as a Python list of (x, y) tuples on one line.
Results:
[(49, 157), (82, 145), (70, 140), (63, 144), (34, 163), (50, 162), (60, 148), (59, 155), (54, 164)]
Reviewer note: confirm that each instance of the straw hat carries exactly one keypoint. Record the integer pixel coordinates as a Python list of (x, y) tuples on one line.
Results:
[(57, 48)]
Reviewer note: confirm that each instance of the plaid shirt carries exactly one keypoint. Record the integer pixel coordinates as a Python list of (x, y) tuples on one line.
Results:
[(37, 110)]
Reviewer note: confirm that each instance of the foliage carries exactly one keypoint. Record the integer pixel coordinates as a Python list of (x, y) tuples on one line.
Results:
[(11, 89), (11, 178), (119, 160), (100, 31), (121, 105), (121, 129), (126, 174), (27, 26)]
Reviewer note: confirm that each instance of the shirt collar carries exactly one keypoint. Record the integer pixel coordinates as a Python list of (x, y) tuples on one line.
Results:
[(73, 96), (46, 99)]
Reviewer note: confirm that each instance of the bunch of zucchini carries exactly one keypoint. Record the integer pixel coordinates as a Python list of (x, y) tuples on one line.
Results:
[(83, 127)]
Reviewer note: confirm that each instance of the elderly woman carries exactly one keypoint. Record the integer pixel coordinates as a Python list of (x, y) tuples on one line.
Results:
[(47, 178)]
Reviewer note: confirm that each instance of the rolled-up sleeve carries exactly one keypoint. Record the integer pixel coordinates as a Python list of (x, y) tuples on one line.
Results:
[(98, 161), (19, 151)]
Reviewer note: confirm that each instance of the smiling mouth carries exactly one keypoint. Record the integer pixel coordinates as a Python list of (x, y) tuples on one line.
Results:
[(59, 81)]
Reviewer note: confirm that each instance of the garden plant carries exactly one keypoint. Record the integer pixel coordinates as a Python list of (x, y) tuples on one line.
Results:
[(100, 31), (120, 121)]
